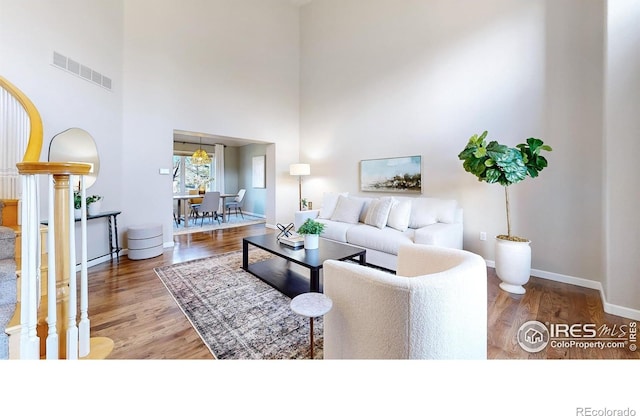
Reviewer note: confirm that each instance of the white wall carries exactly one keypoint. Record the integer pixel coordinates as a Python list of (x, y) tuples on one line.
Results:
[(621, 150), (221, 67), (384, 78), (255, 198), (90, 33)]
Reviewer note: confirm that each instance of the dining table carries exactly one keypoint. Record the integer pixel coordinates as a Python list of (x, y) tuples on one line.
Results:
[(183, 206)]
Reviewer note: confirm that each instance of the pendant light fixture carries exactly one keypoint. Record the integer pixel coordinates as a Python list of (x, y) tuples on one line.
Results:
[(200, 157)]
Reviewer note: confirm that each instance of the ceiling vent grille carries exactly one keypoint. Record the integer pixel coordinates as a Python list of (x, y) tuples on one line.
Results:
[(83, 71)]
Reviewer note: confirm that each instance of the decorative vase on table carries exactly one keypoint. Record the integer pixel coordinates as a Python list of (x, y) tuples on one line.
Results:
[(311, 241), (94, 208)]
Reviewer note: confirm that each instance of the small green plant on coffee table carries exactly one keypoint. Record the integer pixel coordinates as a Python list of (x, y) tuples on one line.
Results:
[(311, 226)]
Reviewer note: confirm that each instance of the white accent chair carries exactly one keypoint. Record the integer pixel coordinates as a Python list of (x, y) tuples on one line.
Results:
[(434, 307), (236, 203)]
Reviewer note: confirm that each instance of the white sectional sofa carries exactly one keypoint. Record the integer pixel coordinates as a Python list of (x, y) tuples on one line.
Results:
[(381, 225)]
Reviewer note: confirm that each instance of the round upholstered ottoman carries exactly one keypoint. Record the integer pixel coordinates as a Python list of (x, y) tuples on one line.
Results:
[(144, 241)]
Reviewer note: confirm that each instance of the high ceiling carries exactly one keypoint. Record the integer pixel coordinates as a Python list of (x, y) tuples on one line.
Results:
[(194, 137)]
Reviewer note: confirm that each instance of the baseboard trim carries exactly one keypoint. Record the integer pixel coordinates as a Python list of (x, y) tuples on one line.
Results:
[(611, 308), (101, 259)]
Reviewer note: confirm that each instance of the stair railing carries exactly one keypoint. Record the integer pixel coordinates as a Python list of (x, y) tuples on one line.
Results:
[(65, 339)]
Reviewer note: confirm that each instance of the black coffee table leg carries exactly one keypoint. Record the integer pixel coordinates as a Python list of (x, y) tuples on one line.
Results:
[(245, 255), (315, 280)]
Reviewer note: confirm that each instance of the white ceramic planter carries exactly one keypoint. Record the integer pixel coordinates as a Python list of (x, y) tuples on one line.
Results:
[(513, 264), (311, 241), (94, 208), (77, 213)]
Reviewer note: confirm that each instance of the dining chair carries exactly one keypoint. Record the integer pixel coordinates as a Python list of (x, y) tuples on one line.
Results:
[(236, 203), (209, 207), (194, 203), (176, 214)]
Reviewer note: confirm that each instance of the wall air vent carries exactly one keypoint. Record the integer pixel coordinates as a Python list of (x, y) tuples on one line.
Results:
[(83, 71)]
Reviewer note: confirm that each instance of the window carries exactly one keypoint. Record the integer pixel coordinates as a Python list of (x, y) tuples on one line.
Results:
[(187, 176)]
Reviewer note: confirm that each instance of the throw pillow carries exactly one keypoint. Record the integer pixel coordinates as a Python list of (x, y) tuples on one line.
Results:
[(347, 210), (378, 212), (399, 215), (427, 211), (329, 201), (446, 210)]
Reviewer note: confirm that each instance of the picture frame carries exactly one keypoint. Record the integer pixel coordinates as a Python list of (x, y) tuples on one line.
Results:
[(258, 171), (396, 174)]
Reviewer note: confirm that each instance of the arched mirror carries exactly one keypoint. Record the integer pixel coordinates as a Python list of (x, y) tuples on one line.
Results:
[(76, 145)]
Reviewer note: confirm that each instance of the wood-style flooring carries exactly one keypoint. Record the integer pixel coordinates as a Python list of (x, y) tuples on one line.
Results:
[(130, 305)]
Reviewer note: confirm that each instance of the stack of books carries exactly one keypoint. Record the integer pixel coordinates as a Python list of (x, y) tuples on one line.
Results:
[(294, 241)]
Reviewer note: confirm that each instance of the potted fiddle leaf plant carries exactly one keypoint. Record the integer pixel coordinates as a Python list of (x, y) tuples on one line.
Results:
[(311, 229), (497, 163)]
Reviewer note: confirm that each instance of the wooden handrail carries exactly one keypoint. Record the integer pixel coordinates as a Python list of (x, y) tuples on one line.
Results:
[(34, 146), (65, 339), (53, 168)]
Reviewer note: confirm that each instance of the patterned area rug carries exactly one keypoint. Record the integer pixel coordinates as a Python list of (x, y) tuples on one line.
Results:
[(209, 225), (237, 315)]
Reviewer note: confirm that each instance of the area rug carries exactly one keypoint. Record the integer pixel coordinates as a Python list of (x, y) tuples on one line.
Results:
[(209, 225), (237, 315)]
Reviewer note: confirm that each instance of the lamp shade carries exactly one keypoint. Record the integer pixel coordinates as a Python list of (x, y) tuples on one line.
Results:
[(300, 169), (200, 157)]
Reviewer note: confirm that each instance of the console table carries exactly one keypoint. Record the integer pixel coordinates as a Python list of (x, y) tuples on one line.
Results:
[(114, 245)]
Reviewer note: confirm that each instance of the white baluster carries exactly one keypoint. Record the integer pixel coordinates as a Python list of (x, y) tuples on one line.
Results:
[(72, 328), (85, 325), (29, 341), (52, 336)]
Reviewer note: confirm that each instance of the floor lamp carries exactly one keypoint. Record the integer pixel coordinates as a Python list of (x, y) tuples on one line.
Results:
[(300, 170)]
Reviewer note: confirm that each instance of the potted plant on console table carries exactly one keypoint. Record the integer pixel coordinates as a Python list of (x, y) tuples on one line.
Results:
[(77, 204), (94, 204), (311, 230), (498, 163)]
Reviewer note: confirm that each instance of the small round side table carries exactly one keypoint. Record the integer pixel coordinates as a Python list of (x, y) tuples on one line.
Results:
[(312, 305)]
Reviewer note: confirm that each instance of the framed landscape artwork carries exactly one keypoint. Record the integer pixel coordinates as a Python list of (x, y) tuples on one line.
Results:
[(397, 174)]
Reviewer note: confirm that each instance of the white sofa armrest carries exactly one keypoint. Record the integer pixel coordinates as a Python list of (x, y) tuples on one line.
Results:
[(301, 216), (440, 234)]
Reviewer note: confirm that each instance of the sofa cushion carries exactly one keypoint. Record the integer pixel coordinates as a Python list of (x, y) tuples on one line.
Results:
[(427, 211), (347, 210), (329, 201), (386, 240), (366, 202), (378, 212), (335, 230), (399, 214)]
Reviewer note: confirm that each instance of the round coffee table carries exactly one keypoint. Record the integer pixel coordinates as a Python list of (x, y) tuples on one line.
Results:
[(311, 305)]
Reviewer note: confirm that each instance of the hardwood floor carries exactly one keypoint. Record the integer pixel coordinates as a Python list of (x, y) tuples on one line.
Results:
[(130, 305)]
